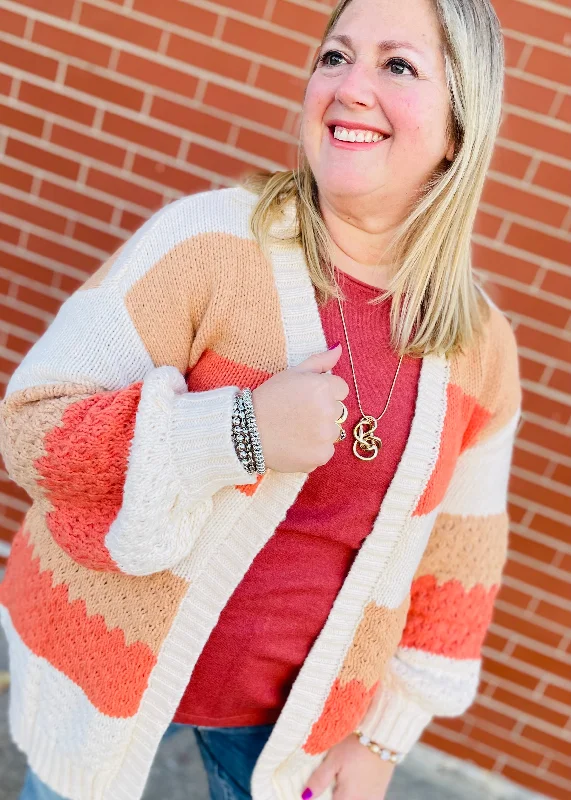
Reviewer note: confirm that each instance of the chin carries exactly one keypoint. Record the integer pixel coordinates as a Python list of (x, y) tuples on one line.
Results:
[(350, 186)]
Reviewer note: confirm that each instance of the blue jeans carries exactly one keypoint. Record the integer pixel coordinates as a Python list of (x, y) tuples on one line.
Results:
[(229, 756)]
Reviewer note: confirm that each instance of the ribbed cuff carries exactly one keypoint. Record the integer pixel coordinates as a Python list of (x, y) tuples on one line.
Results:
[(201, 445), (394, 721)]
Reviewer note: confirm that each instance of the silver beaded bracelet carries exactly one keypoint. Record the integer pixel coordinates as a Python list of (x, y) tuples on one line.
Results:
[(245, 434), (253, 430)]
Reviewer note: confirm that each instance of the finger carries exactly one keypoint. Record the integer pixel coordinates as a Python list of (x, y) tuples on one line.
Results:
[(338, 386), (320, 779), (320, 362)]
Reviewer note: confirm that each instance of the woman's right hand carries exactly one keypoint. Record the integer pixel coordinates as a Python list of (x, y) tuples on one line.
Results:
[(296, 411)]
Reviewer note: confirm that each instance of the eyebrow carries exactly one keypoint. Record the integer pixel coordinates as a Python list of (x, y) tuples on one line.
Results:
[(387, 44)]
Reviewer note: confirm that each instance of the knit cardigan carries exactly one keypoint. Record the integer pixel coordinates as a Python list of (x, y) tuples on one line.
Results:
[(118, 425)]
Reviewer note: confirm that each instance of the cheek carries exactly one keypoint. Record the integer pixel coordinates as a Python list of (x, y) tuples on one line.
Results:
[(420, 122), (317, 99)]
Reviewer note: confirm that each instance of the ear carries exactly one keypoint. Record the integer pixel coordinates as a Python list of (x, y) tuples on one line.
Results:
[(450, 152)]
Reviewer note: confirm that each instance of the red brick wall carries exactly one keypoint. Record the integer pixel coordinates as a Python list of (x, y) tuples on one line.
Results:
[(111, 108)]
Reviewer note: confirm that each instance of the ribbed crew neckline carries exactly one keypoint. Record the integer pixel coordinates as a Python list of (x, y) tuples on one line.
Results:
[(346, 277)]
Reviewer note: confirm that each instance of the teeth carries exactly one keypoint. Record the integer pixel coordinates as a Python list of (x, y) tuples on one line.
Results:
[(345, 135)]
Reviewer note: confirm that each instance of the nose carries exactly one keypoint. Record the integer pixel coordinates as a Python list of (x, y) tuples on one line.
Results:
[(356, 88)]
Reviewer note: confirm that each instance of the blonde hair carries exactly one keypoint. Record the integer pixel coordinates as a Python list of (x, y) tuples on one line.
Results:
[(437, 306)]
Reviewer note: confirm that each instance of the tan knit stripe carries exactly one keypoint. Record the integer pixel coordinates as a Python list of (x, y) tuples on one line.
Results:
[(375, 642), (100, 274), (496, 390), (471, 550), (27, 427), (143, 607), (236, 315)]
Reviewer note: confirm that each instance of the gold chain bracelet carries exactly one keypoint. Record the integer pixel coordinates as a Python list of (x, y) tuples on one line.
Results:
[(383, 752)]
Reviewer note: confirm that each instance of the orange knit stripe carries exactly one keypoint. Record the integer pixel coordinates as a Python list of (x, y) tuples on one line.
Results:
[(447, 620), (463, 422), (344, 707), (83, 471), (212, 371), (112, 674)]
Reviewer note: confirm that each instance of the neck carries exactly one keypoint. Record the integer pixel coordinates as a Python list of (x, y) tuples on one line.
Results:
[(359, 246)]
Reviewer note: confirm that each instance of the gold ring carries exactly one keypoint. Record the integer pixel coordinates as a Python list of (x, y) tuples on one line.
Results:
[(341, 419), (344, 414)]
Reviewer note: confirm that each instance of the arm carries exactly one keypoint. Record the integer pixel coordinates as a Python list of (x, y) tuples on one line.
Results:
[(121, 458), (435, 670)]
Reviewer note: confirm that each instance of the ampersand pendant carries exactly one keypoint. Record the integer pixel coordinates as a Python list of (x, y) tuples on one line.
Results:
[(365, 440)]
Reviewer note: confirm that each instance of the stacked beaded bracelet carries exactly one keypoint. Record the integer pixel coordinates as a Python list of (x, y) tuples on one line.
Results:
[(245, 434), (384, 753)]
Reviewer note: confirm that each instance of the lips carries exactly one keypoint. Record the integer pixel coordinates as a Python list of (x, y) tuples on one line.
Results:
[(362, 126)]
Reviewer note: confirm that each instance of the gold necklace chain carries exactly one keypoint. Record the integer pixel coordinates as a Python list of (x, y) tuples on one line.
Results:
[(365, 440)]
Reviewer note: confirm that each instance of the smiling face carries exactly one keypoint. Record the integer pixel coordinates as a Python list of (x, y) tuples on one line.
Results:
[(381, 71)]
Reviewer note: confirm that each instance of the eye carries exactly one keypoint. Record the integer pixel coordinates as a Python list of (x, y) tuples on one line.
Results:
[(399, 65), (324, 59)]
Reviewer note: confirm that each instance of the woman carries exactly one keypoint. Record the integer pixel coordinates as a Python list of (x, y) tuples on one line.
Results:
[(281, 574)]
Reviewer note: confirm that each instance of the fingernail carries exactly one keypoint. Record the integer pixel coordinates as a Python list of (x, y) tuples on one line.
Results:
[(307, 792), (333, 346)]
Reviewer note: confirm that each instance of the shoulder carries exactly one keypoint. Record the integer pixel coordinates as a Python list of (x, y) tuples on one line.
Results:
[(488, 373)]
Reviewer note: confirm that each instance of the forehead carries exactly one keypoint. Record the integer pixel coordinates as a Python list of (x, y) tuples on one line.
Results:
[(411, 24)]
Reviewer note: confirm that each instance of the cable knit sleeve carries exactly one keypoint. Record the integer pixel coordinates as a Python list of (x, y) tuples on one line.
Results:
[(120, 457), (435, 670)]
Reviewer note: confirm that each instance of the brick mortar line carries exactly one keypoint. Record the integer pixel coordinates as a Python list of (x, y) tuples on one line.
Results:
[(524, 766), (64, 211), (136, 83), (541, 119), (22, 280), (52, 236), (125, 44), (89, 191), (556, 363), (526, 222), (547, 569), (538, 508), (530, 187), (547, 5), (526, 616), (537, 80), (546, 483), (5, 521), (538, 621), (120, 173), (544, 452), (541, 538), (518, 252), (313, 5), (533, 152), (530, 719), (21, 333), (10, 500), (26, 308), (548, 392), (510, 759), (491, 752), (512, 283), (535, 41), (150, 122), (223, 11)]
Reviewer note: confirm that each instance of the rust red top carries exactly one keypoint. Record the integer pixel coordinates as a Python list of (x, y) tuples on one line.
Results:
[(254, 653)]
